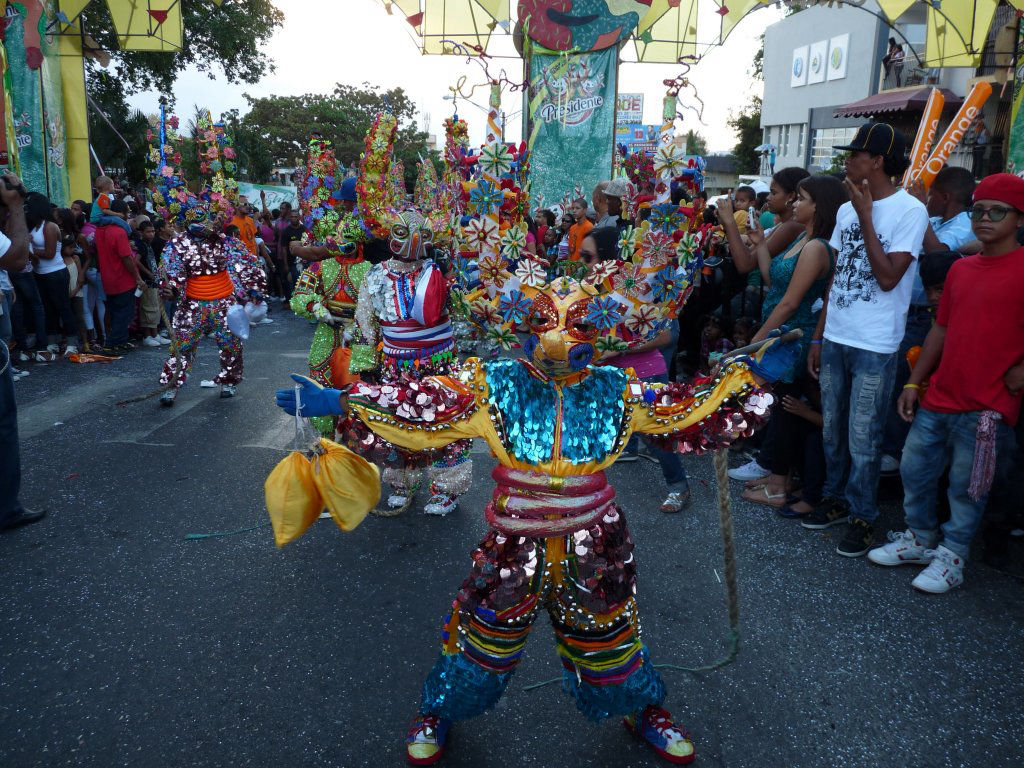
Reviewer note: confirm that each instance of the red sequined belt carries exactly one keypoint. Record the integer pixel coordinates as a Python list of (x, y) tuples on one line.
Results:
[(538, 505)]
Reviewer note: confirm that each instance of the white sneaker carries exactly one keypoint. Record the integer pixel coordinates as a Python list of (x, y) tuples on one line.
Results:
[(71, 349), (54, 348), (441, 504), (398, 501), (162, 339), (151, 341), (890, 465), (903, 549), (945, 571), (266, 321), (749, 471)]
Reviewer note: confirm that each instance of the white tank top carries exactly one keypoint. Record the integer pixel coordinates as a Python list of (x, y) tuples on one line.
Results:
[(46, 266)]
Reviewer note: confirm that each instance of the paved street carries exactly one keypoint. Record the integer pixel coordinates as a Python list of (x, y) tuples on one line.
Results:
[(124, 643)]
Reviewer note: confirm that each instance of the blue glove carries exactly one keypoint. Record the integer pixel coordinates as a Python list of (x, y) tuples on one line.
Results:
[(316, 401)]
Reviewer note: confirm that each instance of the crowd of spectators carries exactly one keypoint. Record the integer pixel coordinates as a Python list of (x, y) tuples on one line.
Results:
[(911, 355), (909, 302)]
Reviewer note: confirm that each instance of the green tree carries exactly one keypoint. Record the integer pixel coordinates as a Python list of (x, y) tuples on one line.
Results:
[(747, 124), (254, 161), (696, 144), (757, 66), (117, 132), (279, 127), (838, 163), (230, 36)]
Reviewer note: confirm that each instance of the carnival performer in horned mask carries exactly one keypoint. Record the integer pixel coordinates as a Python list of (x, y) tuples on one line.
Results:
[(327, 290), (403, 309)]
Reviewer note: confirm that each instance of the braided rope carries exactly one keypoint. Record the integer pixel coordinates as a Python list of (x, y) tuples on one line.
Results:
[(729, 555)]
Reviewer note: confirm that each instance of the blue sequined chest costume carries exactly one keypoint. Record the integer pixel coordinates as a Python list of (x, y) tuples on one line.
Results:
[(592, 412)]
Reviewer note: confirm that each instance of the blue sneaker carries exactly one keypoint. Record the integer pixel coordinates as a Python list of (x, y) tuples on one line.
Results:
[(654, 725), (425, 743)]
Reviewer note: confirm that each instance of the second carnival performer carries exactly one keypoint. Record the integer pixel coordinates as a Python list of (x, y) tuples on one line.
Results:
[(403, 310), (328, 289), (207, 273)]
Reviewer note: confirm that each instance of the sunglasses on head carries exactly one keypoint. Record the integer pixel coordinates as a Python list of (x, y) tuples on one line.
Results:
[(995, 214)]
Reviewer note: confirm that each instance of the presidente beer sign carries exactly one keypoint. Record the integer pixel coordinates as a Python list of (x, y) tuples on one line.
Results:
[(570, 107), (572, 92)]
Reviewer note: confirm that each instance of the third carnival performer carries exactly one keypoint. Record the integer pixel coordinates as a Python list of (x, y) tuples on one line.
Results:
[(328, 289), (403, 309)]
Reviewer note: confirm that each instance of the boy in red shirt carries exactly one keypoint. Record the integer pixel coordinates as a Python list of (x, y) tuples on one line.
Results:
[(975, 357)]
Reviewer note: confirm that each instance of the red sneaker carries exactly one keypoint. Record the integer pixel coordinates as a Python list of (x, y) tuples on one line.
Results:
[(655, 726), (425, 743)]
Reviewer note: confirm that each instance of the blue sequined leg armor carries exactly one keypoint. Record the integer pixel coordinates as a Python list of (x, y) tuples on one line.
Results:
[(458, 689), (607, 669), (641, 689)]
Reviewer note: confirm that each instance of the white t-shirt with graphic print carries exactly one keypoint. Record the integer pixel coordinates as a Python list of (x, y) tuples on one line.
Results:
[(860, 313)]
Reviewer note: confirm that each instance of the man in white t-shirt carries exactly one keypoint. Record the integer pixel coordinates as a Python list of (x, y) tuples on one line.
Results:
[(878, 238), (13, 257)]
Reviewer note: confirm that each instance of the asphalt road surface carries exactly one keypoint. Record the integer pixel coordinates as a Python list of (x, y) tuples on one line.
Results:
[(125, 643)]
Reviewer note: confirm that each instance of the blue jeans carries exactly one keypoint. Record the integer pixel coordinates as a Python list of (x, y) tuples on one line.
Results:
[(856, 390), (935, 441), (121, 309), (896, 429), (671, 467), (10, 460)]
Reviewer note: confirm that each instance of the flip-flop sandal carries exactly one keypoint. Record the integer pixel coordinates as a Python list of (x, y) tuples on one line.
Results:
[(762, 496), (760, 482)]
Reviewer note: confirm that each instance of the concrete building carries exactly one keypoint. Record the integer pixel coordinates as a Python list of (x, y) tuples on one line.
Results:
[(720, 174), (825, 76)]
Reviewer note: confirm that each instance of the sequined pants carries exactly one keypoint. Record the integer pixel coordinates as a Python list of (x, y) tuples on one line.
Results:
[(586, 582), (192, 321), (451, 475), (326, 339)]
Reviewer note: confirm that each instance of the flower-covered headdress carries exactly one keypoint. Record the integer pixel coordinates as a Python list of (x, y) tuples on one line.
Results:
[(574, 315), (384, 211), (172, 199), (320, 202), (427, 192), (217, 164)]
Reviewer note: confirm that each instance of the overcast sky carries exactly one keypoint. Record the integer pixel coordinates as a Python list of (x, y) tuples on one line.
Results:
[(323, 42)]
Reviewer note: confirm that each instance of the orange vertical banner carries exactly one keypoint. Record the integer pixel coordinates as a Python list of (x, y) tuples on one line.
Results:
[(955, 132), (925, 135)]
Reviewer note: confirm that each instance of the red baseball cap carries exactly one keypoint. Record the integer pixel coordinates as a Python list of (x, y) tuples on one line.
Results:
[(1004, 187)]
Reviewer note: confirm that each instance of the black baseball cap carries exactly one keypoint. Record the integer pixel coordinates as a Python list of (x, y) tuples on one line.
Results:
[(878, 139)]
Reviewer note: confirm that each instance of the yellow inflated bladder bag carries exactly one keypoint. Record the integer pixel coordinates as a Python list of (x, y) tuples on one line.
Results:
[(348, 484), (293, 499)]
